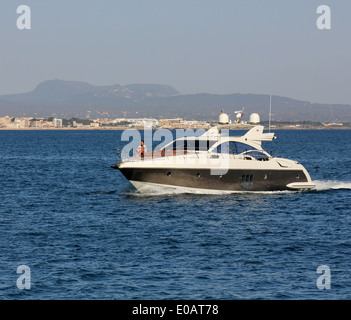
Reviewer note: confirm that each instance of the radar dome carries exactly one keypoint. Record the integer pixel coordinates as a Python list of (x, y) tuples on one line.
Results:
[(223, 118), (254, 118)]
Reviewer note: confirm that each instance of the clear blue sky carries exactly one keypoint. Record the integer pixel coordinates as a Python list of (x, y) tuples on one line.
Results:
[(214, 46)]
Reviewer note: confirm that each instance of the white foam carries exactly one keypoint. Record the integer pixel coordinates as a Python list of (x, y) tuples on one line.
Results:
[(150, 189), (161, 190), (322, 185)]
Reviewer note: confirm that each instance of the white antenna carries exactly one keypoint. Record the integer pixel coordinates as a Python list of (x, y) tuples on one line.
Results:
[(270, 112), (239, 115)]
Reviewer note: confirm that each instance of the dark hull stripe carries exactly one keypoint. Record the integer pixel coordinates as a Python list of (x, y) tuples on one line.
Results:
[(233, 180)]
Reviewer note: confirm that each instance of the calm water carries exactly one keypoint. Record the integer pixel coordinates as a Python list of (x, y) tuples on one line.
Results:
[(85, 234)]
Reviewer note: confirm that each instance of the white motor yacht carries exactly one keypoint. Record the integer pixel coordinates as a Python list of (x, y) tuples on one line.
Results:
[(217, 162)]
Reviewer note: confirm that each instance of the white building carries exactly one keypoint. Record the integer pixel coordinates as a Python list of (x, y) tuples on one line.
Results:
[(57, 123)]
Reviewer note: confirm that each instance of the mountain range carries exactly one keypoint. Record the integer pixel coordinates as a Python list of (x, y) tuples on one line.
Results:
[(65, 99)]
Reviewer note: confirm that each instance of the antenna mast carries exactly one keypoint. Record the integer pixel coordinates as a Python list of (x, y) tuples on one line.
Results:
[(270, 112)]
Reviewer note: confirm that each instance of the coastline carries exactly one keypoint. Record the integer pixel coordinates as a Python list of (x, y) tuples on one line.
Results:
[(142, 128)]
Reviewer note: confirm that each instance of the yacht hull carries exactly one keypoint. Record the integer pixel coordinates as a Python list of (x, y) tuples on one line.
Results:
[(233, 180)]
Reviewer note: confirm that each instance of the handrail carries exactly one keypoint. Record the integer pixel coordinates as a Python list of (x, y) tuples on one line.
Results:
[(170, 154)]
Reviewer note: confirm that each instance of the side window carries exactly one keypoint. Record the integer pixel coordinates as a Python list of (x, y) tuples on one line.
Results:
[(179, 145), (191, 145), (232, 147), (258, 155), (223, 148), (242, 147), (203, 145)]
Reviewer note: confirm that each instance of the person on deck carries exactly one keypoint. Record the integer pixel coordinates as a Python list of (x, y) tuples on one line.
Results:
[(141, 150)]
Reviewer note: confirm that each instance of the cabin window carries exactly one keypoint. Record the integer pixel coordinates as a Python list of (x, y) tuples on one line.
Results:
[(242, 147), (247, 178), (192, 145), (247, 181), (258, 155), (233, 147), (223, 148)]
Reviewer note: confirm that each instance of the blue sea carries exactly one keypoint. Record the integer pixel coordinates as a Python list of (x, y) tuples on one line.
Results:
[(84, 233)]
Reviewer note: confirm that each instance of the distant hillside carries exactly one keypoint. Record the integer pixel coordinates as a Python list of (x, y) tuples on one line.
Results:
[(75, 98)]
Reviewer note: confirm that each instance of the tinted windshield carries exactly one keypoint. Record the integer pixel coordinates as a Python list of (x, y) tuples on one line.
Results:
[(233, 147), (257, 155), (192, 145)]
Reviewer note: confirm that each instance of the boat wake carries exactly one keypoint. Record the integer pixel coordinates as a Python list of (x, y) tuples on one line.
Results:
[(323, 185), (149, 191), (165, 191)]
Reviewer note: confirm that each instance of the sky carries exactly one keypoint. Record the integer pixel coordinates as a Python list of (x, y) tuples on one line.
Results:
[(196, 46)]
